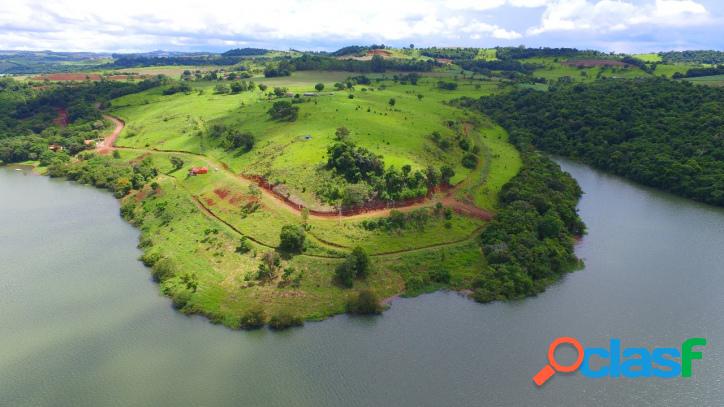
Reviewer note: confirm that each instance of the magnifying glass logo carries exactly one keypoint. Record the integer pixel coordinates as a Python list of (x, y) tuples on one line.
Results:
[(553, 366)]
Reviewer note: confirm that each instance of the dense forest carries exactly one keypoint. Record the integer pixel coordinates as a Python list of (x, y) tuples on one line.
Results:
[(696, 57), (662, 133), (529, 243), (29, 117), (697, 72)]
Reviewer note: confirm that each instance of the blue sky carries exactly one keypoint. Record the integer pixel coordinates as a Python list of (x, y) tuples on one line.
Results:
[(186, 25)]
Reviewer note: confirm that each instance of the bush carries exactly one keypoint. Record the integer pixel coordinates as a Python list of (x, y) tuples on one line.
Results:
[(283, 110), (292, 239), (180, 298), (364, 302), (253, 318), (356, 265), (244, 246), (470, 161), (284, 320), (440, 276), (346, 272), (163, 269)]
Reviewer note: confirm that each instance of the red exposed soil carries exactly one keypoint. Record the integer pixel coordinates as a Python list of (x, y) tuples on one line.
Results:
[(62, 119), (83, 77), (106, 145), (444, 61), (68, 77), (222, 193), (374, 208), (588, 63)]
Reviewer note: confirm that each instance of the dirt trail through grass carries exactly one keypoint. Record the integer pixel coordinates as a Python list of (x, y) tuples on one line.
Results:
[(279, 201), (447, 199)]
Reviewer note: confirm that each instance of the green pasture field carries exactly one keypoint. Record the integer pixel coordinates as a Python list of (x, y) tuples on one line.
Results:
[(713, 80), (204, 217), (553, 69), (650, 57)]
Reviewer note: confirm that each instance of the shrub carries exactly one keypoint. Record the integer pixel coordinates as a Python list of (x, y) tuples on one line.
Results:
[(284, 110), (180, 298), (284, 320), (292, 239), (470, 161), (364, 302), (244, 245), (163, 269), (253, 318), (440, 275), (346, 272), (356, 265)]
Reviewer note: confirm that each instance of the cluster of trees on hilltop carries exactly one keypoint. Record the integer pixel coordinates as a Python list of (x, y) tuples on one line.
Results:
[(368, 178), (376, 64), (244, 52), (696, 57), (698, 72), (523, 52), (356, 49), (485, 67), (662, 133), (450, 53), (529, 243)]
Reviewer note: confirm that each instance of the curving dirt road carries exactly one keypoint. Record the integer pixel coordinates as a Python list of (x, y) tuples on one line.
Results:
[(447, 200), (106, 146)]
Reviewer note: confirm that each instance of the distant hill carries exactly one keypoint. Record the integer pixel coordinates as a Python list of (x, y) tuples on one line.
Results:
[(31, 62)]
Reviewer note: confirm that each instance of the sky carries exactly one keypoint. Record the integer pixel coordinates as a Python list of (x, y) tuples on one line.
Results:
[(192, 25)]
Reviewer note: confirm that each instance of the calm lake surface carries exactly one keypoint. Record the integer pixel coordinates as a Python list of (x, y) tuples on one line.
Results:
[(81, 324)]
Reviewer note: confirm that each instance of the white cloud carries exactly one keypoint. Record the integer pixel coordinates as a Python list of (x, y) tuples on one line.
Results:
[(616, 15), (134, 25), (476, 28)]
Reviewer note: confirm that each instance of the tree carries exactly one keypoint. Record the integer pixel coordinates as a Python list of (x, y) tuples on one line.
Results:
[(361, 260), (263, 87), (176, 162), (392, 102), (284, 110), (292, 239), (377, 64), (433, 176), (319, 87), (446, 173), (470, 161), (354, 194), (280, 92), (345, 272), (341, 133), (355, 265), (221, 88), (239, 140)]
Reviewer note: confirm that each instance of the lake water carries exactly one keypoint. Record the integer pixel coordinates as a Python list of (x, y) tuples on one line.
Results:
[(81, 324)]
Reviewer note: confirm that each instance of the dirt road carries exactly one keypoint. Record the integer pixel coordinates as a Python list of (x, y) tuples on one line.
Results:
[(447, 200)]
